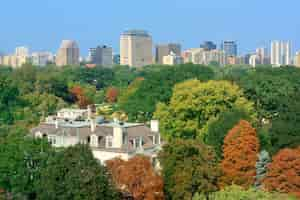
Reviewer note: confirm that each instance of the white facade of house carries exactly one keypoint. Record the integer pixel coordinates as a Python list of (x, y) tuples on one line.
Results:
[(107, 141)]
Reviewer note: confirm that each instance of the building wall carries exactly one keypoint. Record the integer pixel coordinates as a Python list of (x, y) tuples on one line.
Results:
[(229, 48), (135, 50), (164, 50), (102, 55), (281, 53), (106, 155), (68, 54), (201, 56), (297, 59)]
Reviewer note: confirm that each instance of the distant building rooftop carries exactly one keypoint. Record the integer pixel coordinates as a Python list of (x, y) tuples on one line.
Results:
[(136, 32)]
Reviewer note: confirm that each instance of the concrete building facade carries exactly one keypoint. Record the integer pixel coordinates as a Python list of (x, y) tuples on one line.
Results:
[(281, 53), (172, 59), (208, 45), (101, 55), (201, 56), (41, 58), (68, 53), (297, 59), (136, 48), (230, 48), (22, 51), (162, 50)]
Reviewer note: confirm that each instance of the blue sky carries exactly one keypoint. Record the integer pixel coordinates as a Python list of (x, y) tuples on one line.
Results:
[(42, 24)]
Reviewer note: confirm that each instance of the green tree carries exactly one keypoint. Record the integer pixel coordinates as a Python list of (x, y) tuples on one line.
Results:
[(267, 87), (37, 106), (194, 105), (22, 160), (157, 87), (285, 129), (218, 128), (74, 173), (8, 100), (188, 167), (236, 192)]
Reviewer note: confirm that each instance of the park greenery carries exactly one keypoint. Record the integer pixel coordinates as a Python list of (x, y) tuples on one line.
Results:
[(229, 132)]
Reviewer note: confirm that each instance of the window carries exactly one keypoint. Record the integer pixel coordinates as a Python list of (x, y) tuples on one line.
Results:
[(153, 139), (99, 140), (94, 141), (52, 139), (109, 141)]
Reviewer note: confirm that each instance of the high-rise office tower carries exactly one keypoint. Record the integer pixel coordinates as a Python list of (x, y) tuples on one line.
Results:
[(101, 55), (116, 59), (162, 50), (136, 48), (281, 53), (297, 59), (208, 46), (229, 48), (22, 51), (41, 58), (68, 53), (261, 56), (254, 60)]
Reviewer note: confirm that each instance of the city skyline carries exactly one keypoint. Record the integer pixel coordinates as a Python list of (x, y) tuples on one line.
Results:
[(102, 22)]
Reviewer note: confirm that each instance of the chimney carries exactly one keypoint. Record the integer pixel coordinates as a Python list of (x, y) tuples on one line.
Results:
[(154, 125), (93, 125), (117, 137), (89, 110)]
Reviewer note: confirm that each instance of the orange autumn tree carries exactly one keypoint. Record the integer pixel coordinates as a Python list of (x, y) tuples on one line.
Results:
[(80, 98), (112, 95), (284, 172), (137, 177), (240, 153)]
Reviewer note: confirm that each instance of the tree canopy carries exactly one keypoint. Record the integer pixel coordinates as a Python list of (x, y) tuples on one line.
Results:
[(73, 173), (188, 167), (195, 104), (137, 177), (240, 153)]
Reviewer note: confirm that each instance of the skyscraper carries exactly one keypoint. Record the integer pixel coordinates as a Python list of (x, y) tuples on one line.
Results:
[(261, 56), (41, 58), (208, 46), (281, 53), (68, 53), (136, 48), (22, 51), (162, 50), (101, 55), (229, 48), (297, 59)]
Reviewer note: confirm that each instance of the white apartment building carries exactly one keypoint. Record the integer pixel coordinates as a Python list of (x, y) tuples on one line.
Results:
[(281, 53), (22, 51)]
